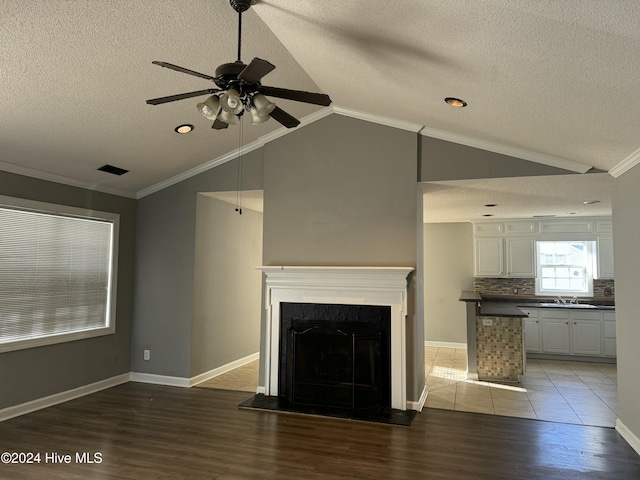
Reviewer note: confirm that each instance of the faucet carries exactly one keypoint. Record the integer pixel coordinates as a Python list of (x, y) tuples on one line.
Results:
[(574, 301), (560, 300)]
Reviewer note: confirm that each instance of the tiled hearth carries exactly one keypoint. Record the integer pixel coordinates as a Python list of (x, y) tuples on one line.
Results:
[(551, 390)]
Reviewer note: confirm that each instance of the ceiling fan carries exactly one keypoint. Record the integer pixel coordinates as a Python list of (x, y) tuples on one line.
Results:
[(240, 89)]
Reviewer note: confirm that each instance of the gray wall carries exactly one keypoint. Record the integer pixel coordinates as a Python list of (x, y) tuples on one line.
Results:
[(37, 372), (626, 238), (448, 267), (342, 191), (442, 160), (165, 252), (227, 300)]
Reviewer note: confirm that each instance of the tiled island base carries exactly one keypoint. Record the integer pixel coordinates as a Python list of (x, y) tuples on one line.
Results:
[(500, 348)]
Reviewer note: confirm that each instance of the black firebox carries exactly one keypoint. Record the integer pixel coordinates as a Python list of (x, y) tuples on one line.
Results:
[(336, 356)]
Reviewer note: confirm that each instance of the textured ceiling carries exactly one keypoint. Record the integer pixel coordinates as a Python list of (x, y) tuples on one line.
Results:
[(556, 78), (522, 197)]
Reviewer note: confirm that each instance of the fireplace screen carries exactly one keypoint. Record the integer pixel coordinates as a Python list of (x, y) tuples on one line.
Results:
[(337, 362)]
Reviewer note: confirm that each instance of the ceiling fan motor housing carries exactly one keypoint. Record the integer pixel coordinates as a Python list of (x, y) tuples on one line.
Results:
[(240, 5)]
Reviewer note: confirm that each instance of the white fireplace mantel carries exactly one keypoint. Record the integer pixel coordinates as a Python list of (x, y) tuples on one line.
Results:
[(338, 285)]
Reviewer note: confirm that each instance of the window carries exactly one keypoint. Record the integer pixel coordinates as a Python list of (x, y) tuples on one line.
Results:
[(565, 268), (57, 273)]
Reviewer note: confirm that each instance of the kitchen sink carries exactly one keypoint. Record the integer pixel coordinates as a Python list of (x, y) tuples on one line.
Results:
[(568, 305)]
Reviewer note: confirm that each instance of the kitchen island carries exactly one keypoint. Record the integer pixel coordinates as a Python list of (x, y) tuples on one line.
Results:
[(495, 339)]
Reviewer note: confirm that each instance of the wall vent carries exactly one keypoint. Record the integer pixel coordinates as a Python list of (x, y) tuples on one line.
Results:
[(113, 170)]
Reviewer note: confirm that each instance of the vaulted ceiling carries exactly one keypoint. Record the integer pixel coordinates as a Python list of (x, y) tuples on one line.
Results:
[(554, 79)]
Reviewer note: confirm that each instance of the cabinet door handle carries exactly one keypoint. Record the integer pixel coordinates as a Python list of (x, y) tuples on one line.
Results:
[(567, 323)]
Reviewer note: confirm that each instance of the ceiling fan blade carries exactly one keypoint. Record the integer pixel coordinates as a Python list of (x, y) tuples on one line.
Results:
[(183, 70), (219, 124), (257, 69), (180, 96), (297, 95), (284, 118)]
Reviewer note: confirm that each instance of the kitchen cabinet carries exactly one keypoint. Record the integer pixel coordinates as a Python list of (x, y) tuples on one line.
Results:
[(609, 334), (489, 257), (555, 332), (505, 257), (521, 261), (532, 332), (574, 332), (605, 256), (586, 333)]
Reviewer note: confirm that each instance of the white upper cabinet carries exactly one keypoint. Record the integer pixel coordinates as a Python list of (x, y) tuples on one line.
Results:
[(508, 248), (521, 257), (489, 255)]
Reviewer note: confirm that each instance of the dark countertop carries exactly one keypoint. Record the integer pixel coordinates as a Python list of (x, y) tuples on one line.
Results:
[(580, 306), (500, 309), (470, 296), (534, 299), (507, 305)]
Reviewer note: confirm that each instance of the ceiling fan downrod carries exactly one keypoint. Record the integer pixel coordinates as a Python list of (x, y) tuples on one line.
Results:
[(240, 6)]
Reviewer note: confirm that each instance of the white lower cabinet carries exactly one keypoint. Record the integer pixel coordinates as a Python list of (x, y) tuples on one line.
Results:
[(532, 333), (609, 334), (586, 333), (555, 332), (570, 332)]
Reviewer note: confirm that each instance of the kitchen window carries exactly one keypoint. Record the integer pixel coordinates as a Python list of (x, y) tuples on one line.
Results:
[(565, 268), (57, 273)]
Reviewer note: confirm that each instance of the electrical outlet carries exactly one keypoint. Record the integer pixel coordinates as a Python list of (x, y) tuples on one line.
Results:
[(147, 355), (487, 322)]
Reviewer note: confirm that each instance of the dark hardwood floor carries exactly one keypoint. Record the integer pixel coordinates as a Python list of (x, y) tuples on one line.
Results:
[(155, 432)]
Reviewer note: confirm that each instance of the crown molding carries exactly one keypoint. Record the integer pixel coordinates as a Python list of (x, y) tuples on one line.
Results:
[(250, 147), (506, 150), (626, 164), (387, 121), (52, 177)]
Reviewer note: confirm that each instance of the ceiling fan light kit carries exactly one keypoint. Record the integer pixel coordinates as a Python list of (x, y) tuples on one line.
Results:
[(239, 89)]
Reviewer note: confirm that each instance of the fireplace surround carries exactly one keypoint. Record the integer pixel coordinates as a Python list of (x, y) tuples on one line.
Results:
[(355, 286)]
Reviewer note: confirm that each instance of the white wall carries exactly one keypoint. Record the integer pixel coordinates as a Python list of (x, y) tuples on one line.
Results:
[(448, 269)]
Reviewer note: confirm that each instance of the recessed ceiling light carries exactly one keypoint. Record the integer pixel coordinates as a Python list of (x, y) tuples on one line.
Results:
[(455, 102), (184, 128), (490, 204), (591, 202)]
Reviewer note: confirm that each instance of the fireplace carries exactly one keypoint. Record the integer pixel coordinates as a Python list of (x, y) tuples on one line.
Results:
[(335, 355), (336, 300)]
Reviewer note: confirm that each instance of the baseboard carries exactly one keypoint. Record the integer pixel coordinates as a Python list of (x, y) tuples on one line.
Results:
[(419, 405), (628, 435), (203, 377), (51, 400), (160, 379), (431, 343)]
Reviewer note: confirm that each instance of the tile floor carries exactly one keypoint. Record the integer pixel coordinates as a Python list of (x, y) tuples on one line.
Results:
[(552, 390), (243, 379)]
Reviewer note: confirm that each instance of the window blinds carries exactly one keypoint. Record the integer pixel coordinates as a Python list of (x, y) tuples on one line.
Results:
[(55, 274)]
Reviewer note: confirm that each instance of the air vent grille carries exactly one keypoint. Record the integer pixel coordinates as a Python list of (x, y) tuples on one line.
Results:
[(113, 170)]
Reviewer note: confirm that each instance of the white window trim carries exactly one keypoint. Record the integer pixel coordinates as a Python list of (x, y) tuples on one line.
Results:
[(592, 252), (50, 208)]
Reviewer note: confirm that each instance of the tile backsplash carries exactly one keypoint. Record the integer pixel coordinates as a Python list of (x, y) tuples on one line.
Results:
[(527, 286)]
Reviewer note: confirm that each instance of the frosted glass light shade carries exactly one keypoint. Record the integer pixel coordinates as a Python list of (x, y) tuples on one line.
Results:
[(227, 117), (262, 104), (231, 102), (210, 107)]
